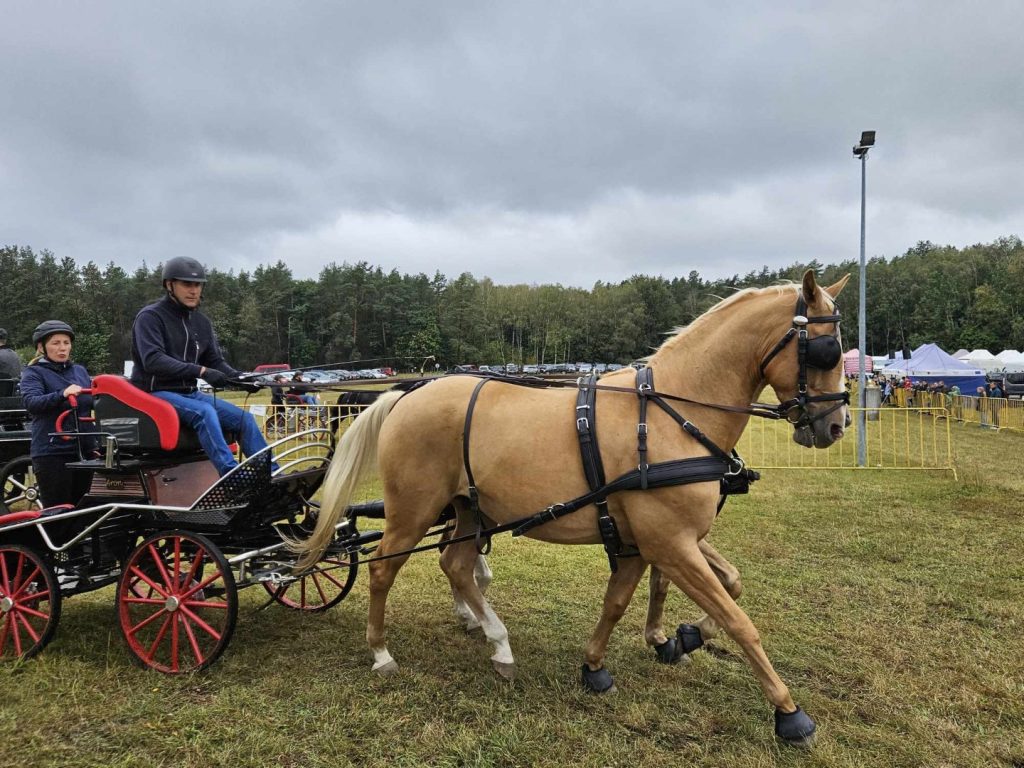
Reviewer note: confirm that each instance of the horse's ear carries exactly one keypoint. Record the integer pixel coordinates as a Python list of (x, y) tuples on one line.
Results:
[(834, 289), (809, 287)]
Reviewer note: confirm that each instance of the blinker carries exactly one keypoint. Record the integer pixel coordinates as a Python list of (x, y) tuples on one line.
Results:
[(824, 352)]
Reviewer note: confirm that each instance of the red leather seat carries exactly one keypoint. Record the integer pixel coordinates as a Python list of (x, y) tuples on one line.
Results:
[(136, 418)]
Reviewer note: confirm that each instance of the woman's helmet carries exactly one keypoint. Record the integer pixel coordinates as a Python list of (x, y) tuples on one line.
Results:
[(184, 268), (47, 328)]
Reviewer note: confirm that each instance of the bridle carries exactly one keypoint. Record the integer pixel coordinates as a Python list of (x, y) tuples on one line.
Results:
[(822, 353)]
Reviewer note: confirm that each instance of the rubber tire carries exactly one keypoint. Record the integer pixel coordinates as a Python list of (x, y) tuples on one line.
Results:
[(11, 583), (171, 651)]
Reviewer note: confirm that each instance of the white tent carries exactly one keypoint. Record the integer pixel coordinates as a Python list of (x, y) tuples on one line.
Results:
[(1010, 360), (961, 354), (982, 358)]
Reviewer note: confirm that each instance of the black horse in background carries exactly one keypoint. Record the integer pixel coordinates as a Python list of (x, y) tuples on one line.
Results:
[(352, 402)]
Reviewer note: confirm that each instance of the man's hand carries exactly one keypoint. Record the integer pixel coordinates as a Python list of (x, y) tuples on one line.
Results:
[(216, 379), (245, 386)]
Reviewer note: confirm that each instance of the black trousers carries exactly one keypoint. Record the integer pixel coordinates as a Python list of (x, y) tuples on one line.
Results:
[(58, 485)]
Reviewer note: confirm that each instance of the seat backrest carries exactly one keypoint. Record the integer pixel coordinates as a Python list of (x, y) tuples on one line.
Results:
[(136, 418)]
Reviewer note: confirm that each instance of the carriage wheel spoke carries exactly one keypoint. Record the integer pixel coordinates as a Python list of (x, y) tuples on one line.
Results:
[(199, 622), (143, 576), (192, 641), (28, 626), (22, 586), (175, 639), (133, 630), (159, 561), (22, 608), (16, 635), (5, 631)]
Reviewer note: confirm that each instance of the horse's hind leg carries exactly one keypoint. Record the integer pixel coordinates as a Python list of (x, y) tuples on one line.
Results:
[(482, 576), (729, 576), (460, 562), (399, 536), (671, 649), (621, 586)]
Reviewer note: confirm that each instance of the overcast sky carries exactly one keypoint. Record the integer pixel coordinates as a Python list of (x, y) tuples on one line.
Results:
[(537, 142)]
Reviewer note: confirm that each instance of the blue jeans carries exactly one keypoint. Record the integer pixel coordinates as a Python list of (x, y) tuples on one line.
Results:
[(209, 417)]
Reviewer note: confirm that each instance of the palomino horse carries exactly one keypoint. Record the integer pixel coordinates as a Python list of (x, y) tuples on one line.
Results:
[(523, 456)]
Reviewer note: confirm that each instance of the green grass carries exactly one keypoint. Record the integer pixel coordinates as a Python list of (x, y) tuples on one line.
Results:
[(892, 604)]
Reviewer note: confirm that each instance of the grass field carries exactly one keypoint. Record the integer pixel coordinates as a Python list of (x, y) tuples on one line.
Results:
[(892, 604)]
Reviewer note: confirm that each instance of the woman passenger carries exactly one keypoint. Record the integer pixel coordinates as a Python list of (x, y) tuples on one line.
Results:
[(46, 384)]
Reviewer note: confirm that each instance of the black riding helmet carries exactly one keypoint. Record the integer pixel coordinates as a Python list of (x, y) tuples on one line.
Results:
[(184, 268), (47, 328)]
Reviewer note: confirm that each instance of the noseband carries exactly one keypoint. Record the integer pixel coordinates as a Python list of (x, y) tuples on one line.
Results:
[(821, 353)]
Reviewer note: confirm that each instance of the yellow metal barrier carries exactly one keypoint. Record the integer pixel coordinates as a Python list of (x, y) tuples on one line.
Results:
[(994, 412), (896, 438)]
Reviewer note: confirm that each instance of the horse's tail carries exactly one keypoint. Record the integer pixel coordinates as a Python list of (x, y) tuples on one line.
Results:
[(353, 463)]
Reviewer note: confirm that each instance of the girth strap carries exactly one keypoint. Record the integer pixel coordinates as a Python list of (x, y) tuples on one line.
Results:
[(482, 547), (593, 469)]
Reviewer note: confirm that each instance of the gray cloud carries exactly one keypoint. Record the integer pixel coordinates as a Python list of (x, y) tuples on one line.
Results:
[(535, 142)]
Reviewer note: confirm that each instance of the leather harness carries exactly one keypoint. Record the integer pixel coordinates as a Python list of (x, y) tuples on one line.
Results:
[(821, 352), (727, 469)]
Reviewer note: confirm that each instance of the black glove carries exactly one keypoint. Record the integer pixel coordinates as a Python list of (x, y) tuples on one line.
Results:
[(215, 378), (245, 386)]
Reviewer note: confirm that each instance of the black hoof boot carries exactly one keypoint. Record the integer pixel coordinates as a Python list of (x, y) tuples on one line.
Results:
[(598, 681), (688, 637), (669, 652), (795, 728)]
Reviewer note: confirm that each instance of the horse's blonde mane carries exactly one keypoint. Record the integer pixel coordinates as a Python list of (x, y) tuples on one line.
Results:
[(743, 294)]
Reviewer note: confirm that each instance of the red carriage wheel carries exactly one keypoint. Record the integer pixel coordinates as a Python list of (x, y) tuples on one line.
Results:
[(29, 602), (177, 602), (320, 589)]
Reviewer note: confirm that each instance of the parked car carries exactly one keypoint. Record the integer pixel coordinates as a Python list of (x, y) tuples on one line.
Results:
[(531, 369), (1013, 385)]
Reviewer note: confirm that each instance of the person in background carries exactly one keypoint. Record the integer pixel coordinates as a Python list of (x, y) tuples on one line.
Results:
[(173, 345), (301, 390), (995, 399), (47, 385), (10, 363), (982, 406), (954, 404), (277, 390)]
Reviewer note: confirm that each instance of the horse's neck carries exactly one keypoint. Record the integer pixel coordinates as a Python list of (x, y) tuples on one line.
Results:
[(717, 362)]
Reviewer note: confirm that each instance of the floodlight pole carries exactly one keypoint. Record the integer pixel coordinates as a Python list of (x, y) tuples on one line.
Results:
[(867, 140)]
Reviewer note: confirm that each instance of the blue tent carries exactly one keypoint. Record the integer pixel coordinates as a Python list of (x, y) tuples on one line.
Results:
[(930, 364)]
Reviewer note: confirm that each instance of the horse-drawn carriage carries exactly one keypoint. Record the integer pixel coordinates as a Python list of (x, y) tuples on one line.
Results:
[(178, 540), (489, 458)]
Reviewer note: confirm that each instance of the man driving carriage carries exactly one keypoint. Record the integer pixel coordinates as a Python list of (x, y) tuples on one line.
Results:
[(173, 345)]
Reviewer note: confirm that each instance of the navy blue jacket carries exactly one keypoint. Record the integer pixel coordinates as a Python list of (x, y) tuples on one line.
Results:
[(42, 385), (170, 345)]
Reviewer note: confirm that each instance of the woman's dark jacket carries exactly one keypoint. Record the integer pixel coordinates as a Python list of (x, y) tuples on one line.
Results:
[(171, 344), (42, 387)]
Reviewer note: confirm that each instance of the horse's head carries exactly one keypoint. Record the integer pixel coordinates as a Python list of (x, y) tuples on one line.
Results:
[(805, 367)]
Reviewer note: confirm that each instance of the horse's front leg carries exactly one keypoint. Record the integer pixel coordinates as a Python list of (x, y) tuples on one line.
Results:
[(686, 566), (688, 637), (621, 586)]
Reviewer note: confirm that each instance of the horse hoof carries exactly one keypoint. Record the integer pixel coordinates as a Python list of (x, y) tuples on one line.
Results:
[(387, 668), (795, 728), (598, 680), (505, 669)]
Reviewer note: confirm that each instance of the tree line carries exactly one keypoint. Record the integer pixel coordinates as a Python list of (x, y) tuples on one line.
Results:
[(971, 297)]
